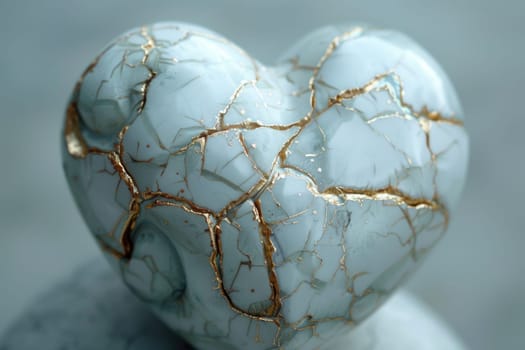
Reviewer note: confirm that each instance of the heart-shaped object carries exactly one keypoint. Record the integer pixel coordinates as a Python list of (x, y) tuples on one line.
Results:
[(258, 208)]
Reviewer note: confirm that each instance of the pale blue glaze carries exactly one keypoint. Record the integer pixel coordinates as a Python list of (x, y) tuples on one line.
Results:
[(269, 207)]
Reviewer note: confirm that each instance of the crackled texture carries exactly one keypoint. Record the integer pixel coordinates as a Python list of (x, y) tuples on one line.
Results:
[(92, 310), (264, 208)]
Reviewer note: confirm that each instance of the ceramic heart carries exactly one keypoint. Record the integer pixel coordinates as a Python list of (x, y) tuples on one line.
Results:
[(255, 207)]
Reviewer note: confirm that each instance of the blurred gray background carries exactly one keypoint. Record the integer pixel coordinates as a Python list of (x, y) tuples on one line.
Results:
[(474, 279)]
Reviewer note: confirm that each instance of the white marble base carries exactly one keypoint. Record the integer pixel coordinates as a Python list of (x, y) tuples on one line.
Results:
[(94, 310)]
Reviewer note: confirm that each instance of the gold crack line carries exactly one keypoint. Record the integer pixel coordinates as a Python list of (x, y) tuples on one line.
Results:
[(222, 113), (144, 90), (424, 117), (334, 44), (387, 193), (215, 241), (256, 188), (218, 39), (250, 158), (78, 148), (195, 209), (95, 62), (109, 249), (75, 143), (116, 159), (146, 48), (371, 85), (434, 116), (268, 249), (245, 125), (350, 94), (312, 114)]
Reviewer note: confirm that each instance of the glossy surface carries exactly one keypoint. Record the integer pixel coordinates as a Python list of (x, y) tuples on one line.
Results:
[(264, 207)]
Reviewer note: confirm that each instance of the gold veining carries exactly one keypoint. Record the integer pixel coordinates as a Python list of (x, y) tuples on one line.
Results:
[(269, 249), (78, 148), (146, 48), (388, 193), (75, 143), (332, 46), (374, 84)]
